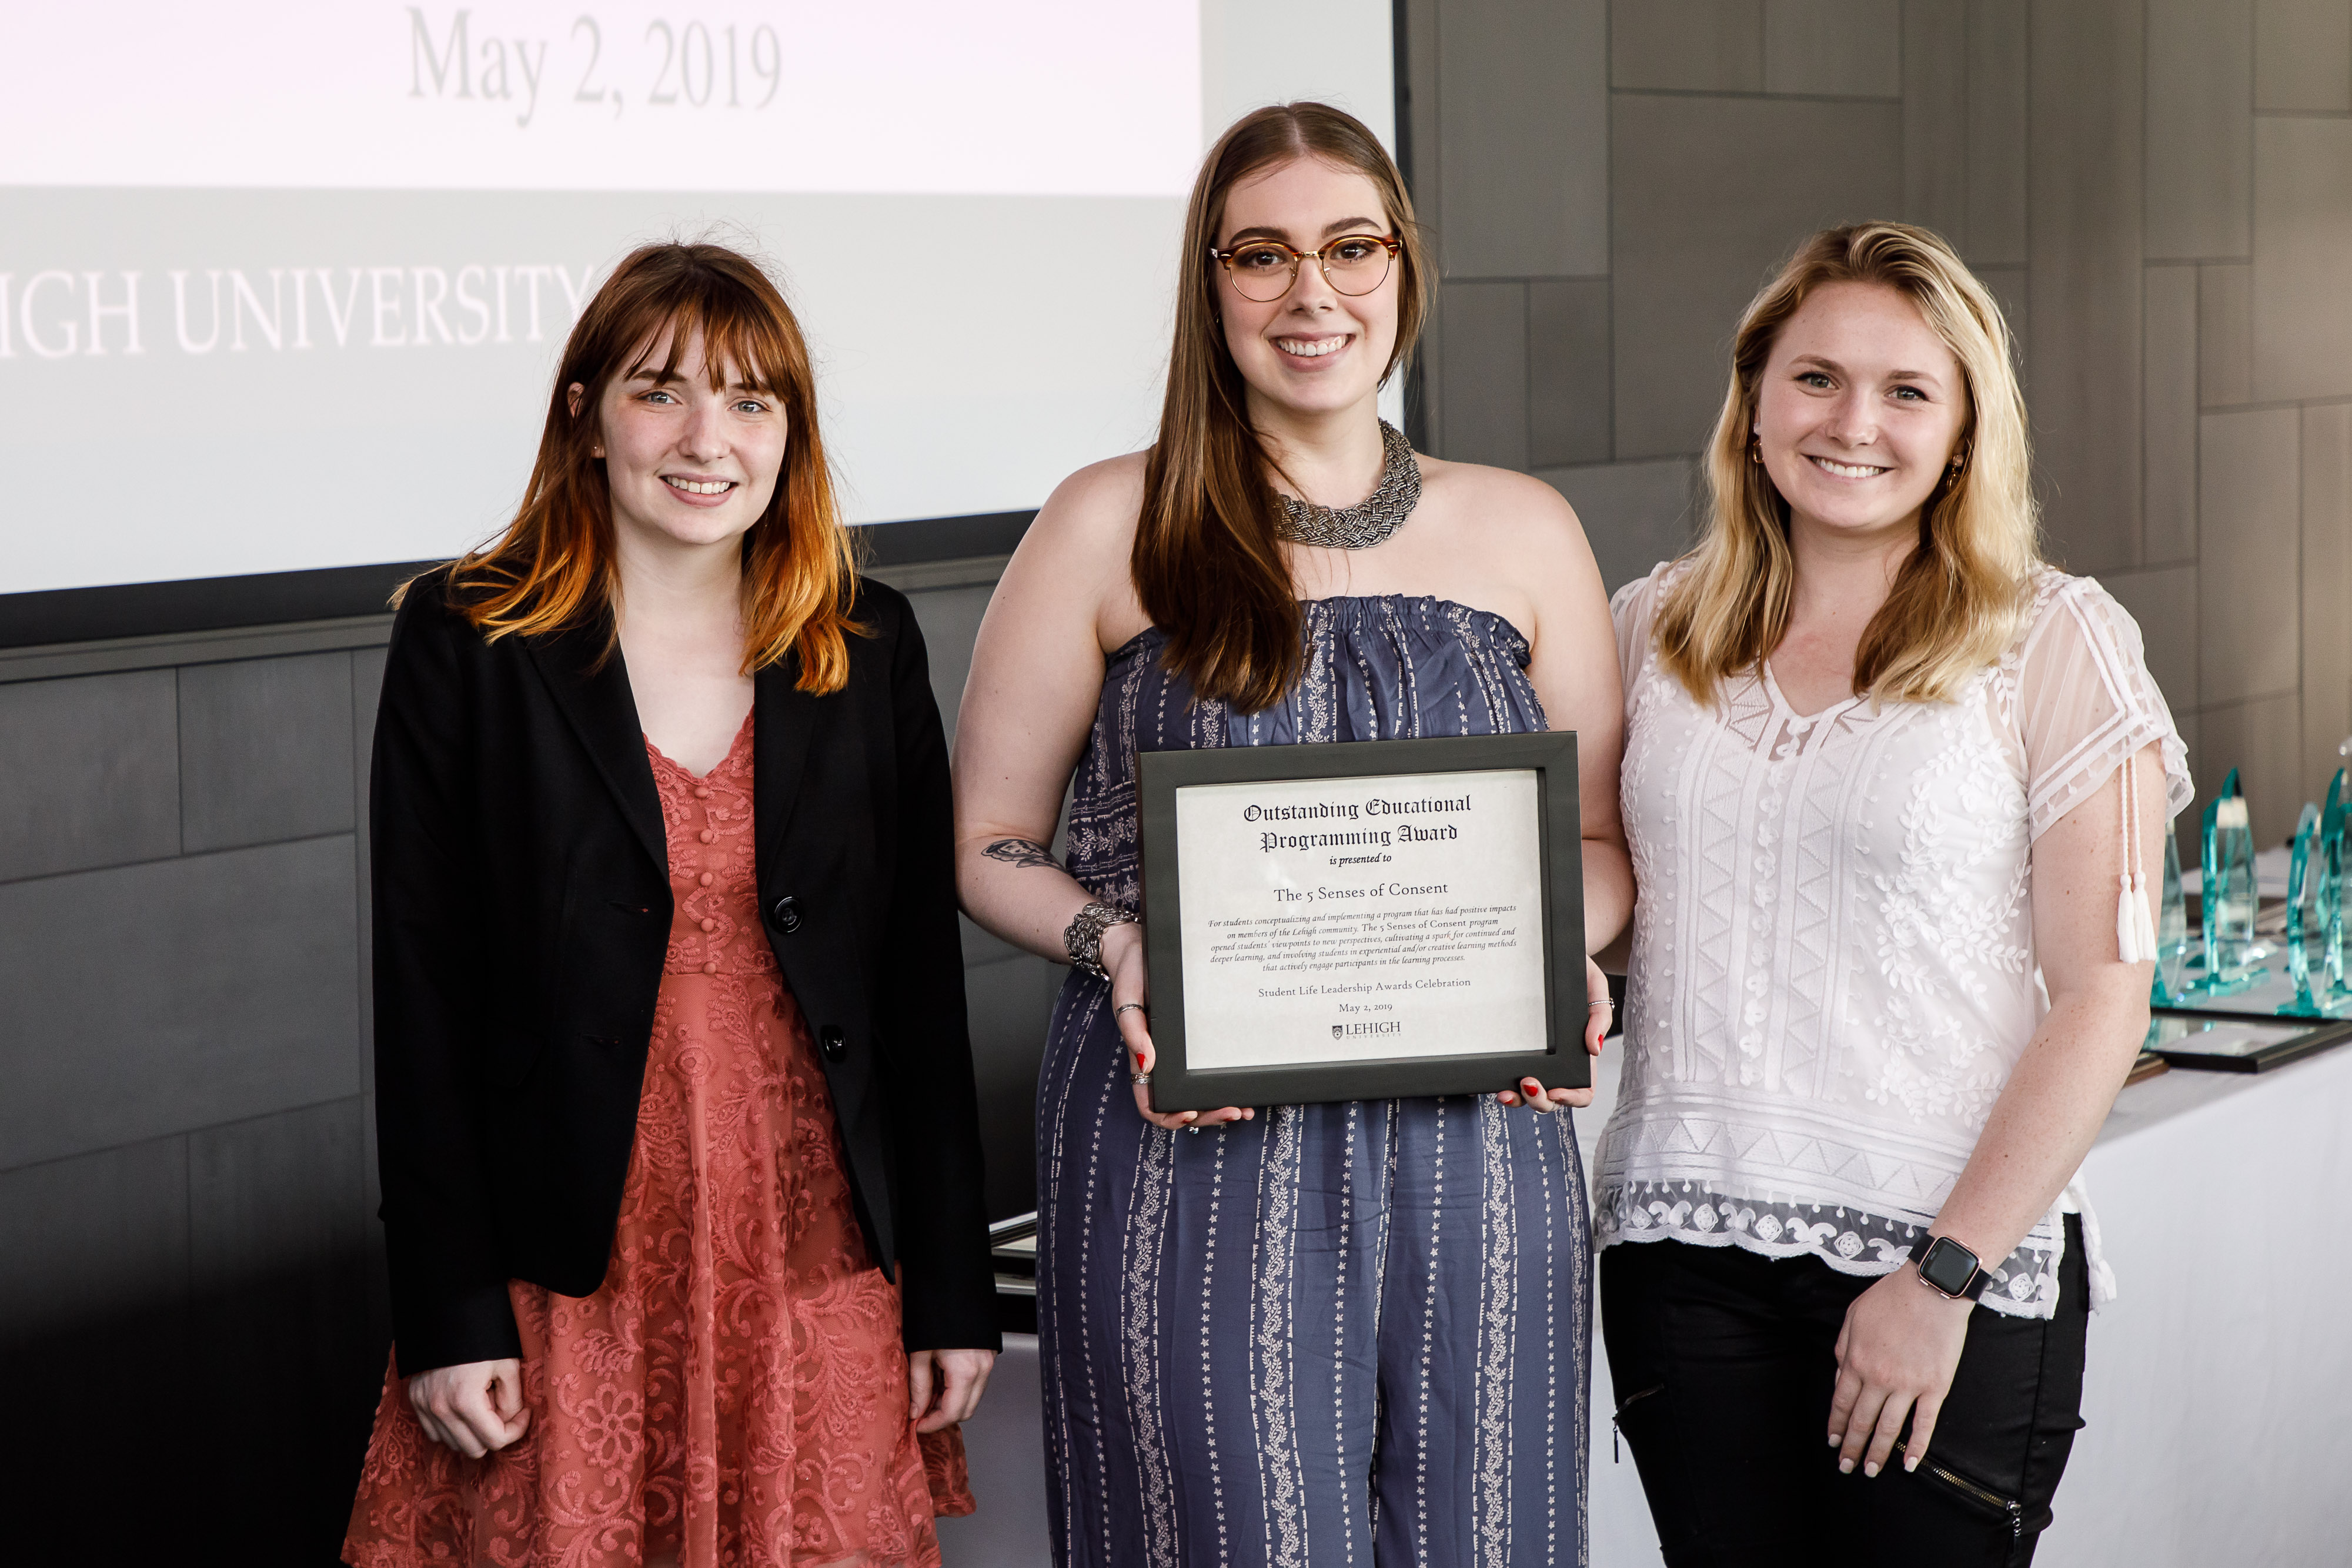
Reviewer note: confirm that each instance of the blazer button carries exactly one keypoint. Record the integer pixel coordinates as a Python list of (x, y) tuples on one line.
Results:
[(830, 1042), (786, 913)]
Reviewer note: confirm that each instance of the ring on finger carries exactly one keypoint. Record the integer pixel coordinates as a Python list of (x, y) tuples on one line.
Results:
[(1138, 1077)]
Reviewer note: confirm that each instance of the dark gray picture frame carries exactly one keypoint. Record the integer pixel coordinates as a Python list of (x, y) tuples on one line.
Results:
[(2304, 1037), (1563, 1063)]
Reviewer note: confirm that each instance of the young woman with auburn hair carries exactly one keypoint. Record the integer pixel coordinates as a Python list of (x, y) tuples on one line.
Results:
[(1886, 774), (680, 1157), (1278, 1336)]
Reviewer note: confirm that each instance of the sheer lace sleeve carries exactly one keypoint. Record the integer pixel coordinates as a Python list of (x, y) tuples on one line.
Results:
[(1632, 607), (2085, 701)]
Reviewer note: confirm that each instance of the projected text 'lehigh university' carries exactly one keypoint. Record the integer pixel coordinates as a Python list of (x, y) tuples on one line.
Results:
[(56, 314)]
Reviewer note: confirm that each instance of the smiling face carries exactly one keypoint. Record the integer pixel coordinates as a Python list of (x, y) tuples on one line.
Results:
[(1858, 410), (687, 465), (1314, 350)]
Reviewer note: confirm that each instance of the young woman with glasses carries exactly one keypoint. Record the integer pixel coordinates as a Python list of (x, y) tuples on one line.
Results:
[(1887, 776), (1300, 1333), (681, 1162)]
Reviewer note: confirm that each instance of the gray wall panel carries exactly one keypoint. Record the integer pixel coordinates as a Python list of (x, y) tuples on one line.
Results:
[(2249, 645), (2200, 89), (1012, 1006), (89, 773), (2169, 407), (1568, 371), (2225, 333), (1694, 46), (265, 751), (94, 1236), (154, 999), (2083, 187), (2259, 739), (2301, 282), (1996, 132), (950, 618), (1522, 150), (1936, 117), (1634, 514), (2327, 587), (1843, 48), (2163, 601), (1709, 193), (2303, 55), (1483, 367)]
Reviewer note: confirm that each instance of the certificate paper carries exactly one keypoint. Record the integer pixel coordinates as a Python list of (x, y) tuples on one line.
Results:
[(1363, 919)]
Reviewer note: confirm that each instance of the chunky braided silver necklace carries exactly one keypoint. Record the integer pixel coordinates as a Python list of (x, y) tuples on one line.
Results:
[(1370, 520)]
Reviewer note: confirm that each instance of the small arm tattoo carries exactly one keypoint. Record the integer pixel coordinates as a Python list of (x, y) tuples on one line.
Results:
[(1021, 853)]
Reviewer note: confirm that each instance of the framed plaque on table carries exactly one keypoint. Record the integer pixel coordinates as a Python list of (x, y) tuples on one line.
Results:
[(2217, 1042), (1363, 921)]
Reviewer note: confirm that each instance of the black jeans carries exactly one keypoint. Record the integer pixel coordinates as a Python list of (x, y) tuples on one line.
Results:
[(1724, 1363)]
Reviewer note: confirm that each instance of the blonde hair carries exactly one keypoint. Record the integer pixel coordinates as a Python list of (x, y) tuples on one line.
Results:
[(1954, 606)]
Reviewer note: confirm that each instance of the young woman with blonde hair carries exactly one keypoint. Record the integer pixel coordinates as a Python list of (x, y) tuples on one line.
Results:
[(1328, 1333), (1884, 768), (681, 1163)]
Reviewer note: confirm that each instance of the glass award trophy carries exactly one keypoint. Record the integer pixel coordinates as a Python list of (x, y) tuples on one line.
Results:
[(2227, 893), (2302, 883), (2327, 900), (2171, 986)]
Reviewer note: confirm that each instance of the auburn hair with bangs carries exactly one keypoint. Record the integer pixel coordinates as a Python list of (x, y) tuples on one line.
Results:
[(1955, 603), (1208, 562), (555, 566)]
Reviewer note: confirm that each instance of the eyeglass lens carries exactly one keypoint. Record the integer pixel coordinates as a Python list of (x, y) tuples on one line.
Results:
[(1354, 264)]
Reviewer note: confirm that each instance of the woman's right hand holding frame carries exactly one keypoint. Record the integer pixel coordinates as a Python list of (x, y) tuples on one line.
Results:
[(1130, 994)]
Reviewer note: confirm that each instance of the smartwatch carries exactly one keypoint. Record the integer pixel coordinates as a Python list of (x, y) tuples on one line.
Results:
[(1950, 1270)]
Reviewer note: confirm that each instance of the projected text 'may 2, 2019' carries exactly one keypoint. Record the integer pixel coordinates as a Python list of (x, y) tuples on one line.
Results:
[(672, 65)]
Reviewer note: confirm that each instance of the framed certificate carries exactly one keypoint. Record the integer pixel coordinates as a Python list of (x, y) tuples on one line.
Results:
[(1363, 921), (2219, 1043)]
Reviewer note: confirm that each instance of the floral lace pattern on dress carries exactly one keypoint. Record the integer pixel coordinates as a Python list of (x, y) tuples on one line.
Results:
[(1833, 966), (735, 1393), (1847, 1239)]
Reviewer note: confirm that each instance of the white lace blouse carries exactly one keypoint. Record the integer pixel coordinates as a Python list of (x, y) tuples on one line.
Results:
[(1834, 965)]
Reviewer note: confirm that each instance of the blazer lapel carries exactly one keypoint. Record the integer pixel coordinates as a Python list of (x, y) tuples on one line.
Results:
[(782, 718), (597, 703)]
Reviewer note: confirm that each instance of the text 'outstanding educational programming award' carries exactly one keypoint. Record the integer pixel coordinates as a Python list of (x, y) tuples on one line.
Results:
[(1363, 921)]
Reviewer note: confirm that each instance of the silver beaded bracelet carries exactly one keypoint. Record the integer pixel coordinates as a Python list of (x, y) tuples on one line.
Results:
[(1083, 936)]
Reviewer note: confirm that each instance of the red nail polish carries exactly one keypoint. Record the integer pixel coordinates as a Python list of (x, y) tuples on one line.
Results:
[(1138, 1062)]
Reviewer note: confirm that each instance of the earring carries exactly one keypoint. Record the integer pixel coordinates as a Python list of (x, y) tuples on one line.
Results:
[(1959, 461), (1755, 449)]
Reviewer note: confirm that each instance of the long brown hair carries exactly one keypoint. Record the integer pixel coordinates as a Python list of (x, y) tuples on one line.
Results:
[(1208, 565), (1954, 605), (554, 566)]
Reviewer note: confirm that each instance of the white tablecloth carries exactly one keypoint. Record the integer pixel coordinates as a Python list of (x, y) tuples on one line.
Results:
[(2219, 1396)]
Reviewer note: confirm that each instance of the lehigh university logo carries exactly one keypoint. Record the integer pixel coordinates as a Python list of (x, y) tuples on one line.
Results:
[(1337, 1029)]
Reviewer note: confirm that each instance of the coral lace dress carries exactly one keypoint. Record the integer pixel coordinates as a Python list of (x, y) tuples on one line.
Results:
[(736, 1390)]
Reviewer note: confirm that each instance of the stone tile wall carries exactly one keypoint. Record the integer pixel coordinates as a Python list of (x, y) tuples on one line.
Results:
[(2160, 194), (191, 1269)]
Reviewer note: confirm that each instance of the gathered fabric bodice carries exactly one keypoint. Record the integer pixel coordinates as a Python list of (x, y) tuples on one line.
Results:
[(1833, 967), (1386, 667)]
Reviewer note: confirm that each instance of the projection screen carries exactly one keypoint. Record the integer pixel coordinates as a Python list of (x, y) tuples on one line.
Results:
[(281, 283)]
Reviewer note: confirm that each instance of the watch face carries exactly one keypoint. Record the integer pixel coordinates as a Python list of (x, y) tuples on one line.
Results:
[(1947, 1266)]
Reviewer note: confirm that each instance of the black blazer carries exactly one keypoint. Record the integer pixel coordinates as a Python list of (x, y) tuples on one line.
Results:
[(522, 910)]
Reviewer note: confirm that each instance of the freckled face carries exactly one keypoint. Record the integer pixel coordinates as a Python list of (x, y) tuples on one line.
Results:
[(1859, 409), (1315, 350), (686, 464)]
